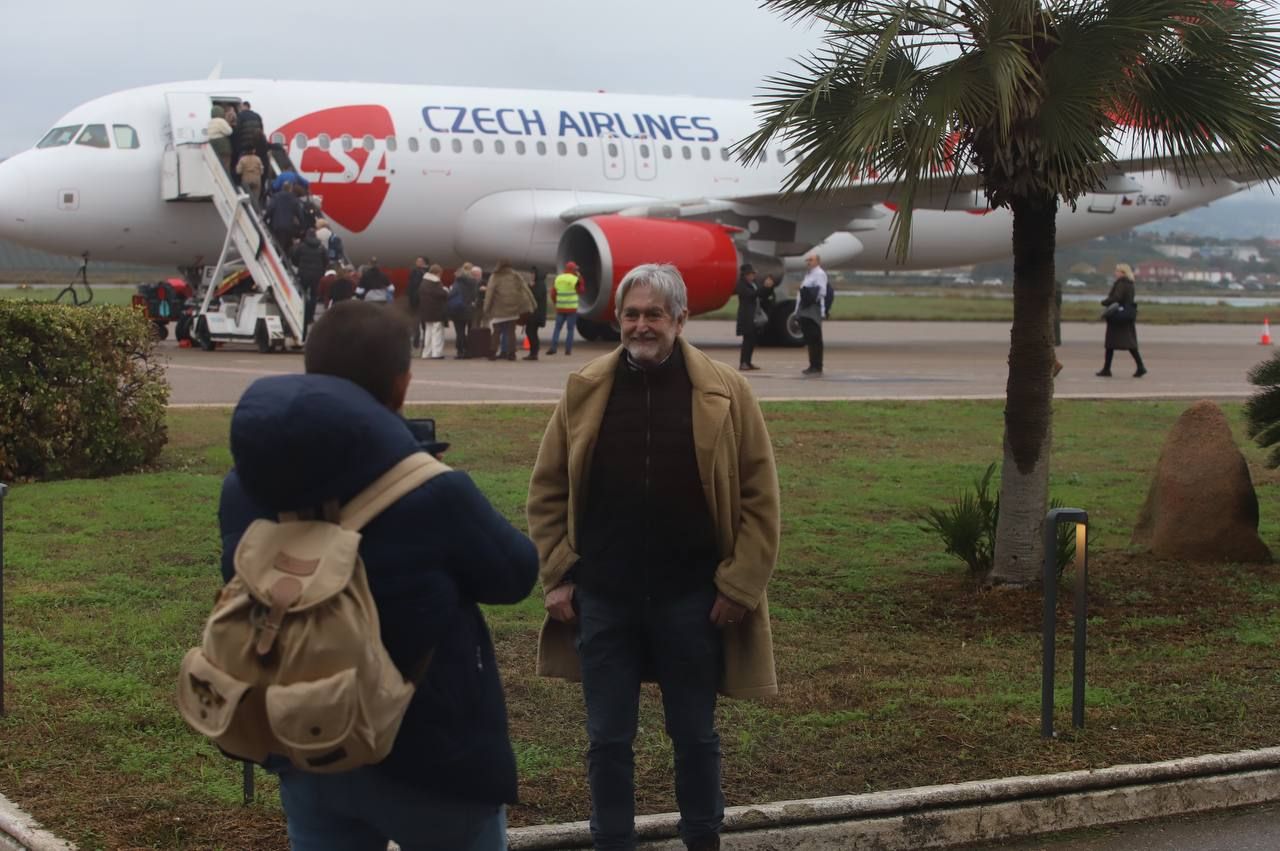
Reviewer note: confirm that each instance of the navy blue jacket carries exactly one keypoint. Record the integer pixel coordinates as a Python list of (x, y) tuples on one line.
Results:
[(301, 440)]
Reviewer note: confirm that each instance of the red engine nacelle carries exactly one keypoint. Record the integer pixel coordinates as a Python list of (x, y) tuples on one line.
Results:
[(606, 248)]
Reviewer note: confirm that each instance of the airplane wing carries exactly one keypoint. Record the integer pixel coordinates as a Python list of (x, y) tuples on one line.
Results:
[(773, 217), (860, 201)]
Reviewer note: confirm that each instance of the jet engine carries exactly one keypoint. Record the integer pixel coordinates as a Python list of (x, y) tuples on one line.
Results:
[(607, 247)]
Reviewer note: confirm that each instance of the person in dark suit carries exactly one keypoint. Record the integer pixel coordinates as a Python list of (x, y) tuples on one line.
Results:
[(751, 297)]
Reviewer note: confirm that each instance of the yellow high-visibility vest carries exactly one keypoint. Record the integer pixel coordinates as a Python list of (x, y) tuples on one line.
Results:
[(566, 291)]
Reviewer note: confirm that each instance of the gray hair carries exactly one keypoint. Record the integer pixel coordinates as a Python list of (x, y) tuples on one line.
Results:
[(664, 279)]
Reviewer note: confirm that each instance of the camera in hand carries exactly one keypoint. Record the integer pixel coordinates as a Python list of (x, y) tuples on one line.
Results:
[(423, 430)]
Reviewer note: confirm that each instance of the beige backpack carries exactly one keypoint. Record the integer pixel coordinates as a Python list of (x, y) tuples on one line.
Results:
[(292, 661)]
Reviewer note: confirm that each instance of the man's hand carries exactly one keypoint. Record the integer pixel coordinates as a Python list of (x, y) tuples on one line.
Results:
[(725, 612), (559, 603)]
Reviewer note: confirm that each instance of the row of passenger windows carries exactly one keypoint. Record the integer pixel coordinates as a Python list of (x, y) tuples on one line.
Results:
[(500, 147), (92, 136)]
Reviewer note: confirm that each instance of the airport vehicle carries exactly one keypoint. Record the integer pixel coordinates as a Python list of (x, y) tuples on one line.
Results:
[(536, 177), (166, 302)]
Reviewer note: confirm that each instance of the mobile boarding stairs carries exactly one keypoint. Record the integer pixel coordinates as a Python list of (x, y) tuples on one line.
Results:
[(269, 315)]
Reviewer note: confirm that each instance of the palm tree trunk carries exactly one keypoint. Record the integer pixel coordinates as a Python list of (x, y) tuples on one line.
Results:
[(1028, 414)]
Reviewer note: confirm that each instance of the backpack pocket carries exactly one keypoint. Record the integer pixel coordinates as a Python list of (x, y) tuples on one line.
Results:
[(314, 721), (208, 696), (214, 703)]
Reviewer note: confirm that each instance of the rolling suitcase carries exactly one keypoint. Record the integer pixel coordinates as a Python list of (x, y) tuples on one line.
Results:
[(480, 342)]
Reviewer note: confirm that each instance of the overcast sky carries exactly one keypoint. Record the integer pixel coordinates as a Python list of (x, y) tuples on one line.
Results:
[(60, 53)]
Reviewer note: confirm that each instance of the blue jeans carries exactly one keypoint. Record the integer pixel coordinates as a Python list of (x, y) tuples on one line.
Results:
[(361, 810), (571, 319), (617, 641), (506, 333)]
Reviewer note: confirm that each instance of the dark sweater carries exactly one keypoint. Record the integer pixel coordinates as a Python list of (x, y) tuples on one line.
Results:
[(647, 530), (310, 257)]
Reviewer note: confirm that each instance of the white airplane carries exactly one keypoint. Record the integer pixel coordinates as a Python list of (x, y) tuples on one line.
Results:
[(536, 177)]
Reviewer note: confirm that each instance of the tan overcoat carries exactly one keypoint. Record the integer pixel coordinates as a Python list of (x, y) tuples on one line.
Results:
[(739, 479)]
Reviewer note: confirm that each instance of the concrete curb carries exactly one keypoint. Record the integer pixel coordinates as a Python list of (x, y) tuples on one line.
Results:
[(20, 832), (904, 820), (984, 810)]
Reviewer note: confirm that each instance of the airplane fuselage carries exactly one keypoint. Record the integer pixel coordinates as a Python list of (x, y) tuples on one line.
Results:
[(473, 174)]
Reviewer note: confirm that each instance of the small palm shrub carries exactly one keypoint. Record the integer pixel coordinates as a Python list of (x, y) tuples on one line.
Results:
[(1262, 411), (967, 528)]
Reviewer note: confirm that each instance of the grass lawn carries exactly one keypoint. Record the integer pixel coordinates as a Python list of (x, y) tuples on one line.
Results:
[(101, 295), (894, 671)]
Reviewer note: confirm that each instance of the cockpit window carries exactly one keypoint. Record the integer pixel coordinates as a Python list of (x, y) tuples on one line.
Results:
[(58, 136), (94, 136), (126, 136)]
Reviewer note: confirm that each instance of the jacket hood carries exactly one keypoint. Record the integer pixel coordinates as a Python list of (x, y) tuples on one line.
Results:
[(299, 441)]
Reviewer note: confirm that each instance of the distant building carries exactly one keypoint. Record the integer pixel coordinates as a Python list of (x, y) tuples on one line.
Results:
[(1239, 253), (1182, 252), (1158, 270), (1206, 276)]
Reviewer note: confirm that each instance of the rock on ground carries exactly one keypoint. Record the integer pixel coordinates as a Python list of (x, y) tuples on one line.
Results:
[(1201, 505)]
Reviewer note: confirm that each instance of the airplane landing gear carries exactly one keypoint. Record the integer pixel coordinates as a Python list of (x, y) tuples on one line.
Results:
[(784, 328), (591, 331)]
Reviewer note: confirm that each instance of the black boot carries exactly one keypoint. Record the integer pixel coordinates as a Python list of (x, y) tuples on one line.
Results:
[(1137, 358), (1105, 372)]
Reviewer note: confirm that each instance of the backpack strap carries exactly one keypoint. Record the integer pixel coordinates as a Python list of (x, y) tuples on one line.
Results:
[(414, 471)]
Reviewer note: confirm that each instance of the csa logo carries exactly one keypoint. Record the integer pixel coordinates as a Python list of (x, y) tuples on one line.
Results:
[(354, 182)]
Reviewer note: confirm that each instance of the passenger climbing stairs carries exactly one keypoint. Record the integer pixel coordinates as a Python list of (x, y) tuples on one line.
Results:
[(268, 312)]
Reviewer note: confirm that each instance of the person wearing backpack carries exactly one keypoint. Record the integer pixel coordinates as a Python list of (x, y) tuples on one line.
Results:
[(460, 305), (309, 259), (305, 442)]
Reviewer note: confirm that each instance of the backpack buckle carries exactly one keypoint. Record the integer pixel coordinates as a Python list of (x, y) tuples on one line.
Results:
[(284, 593)]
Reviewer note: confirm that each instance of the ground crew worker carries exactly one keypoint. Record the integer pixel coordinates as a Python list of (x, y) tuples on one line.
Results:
[(567, 287)]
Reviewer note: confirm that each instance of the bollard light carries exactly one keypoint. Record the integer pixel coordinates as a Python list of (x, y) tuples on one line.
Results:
[(1079, 517)]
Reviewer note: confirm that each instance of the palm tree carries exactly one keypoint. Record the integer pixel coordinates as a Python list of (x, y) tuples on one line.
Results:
[(1036, 103)]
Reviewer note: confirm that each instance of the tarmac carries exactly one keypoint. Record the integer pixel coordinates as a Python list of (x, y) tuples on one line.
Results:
[(863, 360)]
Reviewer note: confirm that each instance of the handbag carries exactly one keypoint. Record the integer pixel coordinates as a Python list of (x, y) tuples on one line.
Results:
[(761, 319), (1120, 312)]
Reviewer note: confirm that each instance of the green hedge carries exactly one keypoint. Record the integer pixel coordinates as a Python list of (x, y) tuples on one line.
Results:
[(81, 391)]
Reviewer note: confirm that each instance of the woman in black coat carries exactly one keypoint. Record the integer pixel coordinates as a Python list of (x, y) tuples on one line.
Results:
[(750, 296), (539, 316), (1122, 331)]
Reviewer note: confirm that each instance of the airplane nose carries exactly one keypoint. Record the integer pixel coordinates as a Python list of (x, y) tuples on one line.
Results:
[(13, 200)]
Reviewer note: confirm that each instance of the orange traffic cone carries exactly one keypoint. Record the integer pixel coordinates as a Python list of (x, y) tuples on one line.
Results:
[(525, 346), (1266, 333)]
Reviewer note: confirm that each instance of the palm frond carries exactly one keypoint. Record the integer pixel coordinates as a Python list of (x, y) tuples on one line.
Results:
[(1038, 94)]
